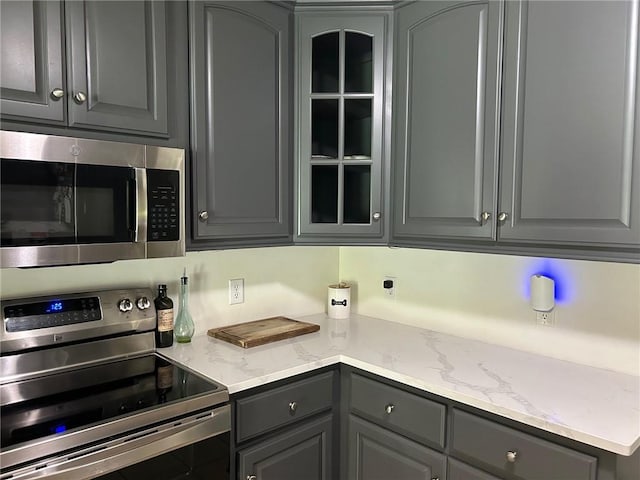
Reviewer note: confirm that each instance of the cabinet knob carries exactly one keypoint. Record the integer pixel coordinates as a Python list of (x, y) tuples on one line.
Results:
[(203, 216), (512, 456), (377, 216), (485, 216), (80, 97), (389, 408), (252, 477), (57, 93), (293, 406), (503, 216)]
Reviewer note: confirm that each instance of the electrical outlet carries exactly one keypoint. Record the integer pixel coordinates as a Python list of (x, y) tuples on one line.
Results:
[(389, 291), (236, 291), (548, 319)]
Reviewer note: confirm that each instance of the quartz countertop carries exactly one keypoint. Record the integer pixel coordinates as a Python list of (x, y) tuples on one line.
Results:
[(593, 406)]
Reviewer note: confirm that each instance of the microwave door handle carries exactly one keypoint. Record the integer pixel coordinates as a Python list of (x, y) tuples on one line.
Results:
[(138, 209)]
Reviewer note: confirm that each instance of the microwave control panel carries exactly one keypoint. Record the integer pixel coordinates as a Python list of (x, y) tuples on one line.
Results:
[(163, 205)]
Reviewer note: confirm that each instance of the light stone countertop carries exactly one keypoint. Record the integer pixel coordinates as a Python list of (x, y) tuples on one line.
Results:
[(593, 406)]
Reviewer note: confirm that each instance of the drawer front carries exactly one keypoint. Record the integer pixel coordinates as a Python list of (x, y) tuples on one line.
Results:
[(265, 411), (493, 446), (413, 416), (462, 471)]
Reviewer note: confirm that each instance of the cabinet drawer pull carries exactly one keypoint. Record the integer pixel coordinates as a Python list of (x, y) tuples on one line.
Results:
[(512, 456), (252, 477), (203, 216), (57, 93), (389, 408), (485, 216), (503, 216), (293, 407), (377, 216)]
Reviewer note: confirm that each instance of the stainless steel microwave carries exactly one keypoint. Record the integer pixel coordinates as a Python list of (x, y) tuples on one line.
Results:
[(67, 201)]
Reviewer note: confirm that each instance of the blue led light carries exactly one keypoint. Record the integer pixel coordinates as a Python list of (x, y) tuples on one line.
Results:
[(54, 307), (557, 270), (59, 428)]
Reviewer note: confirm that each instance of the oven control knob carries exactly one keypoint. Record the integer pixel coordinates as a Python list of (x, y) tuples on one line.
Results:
[(125, 305), (143, 303)]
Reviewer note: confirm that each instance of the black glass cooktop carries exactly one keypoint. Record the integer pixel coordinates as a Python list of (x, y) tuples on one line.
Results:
[(62, 402)]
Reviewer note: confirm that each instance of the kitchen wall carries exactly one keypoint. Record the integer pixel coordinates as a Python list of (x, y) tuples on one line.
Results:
[(278, 281), (486, 297), (473, 295)]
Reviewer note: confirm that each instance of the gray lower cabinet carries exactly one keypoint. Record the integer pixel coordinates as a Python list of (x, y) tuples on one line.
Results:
[(303, 452), (527, 144), (287, 431), (111, 76), (514, 454), (460, 471), (379, 454), (240, 64), (342, 131)]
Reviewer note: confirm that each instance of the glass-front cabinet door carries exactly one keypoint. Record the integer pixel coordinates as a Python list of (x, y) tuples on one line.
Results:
[(341, 130)]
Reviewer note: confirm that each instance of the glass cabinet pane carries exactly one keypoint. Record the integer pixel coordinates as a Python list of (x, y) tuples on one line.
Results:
[(325, 57), (324, 194), (357, 128), (357, 194), (358, 63), (324, 128)]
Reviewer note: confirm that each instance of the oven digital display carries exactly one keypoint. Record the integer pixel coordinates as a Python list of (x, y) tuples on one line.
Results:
[(55, 307), (52, 313)]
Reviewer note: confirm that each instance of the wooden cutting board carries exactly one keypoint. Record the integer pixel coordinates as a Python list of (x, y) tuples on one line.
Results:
[(259, 332)]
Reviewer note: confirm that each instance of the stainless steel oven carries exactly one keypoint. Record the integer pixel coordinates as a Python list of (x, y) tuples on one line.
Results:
[(90, 398), (70, 201)]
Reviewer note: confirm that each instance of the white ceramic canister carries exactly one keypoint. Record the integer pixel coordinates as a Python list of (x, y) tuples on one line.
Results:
[(339, 301)]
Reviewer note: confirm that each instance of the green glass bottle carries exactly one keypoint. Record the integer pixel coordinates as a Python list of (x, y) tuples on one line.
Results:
[(184, 326)]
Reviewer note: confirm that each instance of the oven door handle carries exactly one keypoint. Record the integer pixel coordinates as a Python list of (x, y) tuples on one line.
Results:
[(139, 217), (103, 459)]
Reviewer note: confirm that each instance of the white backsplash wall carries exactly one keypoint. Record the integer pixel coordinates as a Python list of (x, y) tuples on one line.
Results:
[(277, 281), (485, 297)]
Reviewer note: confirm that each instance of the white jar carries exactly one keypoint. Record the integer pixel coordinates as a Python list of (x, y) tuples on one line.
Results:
[(339, 301)]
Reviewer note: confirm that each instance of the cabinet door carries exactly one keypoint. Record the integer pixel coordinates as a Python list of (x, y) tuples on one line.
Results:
[(378, 454), (117, 61), (446, 116), (300, 453), (570, 170), (240, 67), (462, 471), (31, 60), (341, 137)]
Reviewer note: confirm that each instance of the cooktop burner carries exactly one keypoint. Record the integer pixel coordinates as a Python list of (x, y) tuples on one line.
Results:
[(63, 402)]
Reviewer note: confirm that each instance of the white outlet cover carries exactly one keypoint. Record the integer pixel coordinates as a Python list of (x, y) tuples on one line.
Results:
[(236, 291)]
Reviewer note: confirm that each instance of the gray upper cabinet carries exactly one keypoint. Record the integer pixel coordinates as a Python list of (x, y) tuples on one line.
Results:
[(522, 145), (241, 171), (446, 106), (570, 168), (112, 76), (116, 65), (342, 135), (31, 61)]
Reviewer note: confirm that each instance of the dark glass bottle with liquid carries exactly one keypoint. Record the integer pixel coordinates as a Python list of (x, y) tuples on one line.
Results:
[(164, 313)]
